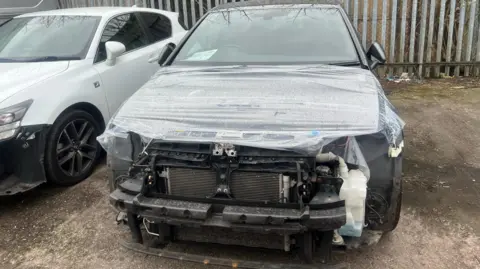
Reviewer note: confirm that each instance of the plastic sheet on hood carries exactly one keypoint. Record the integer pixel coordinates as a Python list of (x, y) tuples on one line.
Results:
[(299, 108)]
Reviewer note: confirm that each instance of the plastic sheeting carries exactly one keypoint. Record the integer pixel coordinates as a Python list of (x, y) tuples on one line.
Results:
[(299, 108)]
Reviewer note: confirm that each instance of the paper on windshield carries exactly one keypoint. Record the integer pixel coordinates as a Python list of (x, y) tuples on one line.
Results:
[(202, 55)]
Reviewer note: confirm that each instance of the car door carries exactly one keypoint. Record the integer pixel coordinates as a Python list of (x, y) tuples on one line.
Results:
[(132, 69)]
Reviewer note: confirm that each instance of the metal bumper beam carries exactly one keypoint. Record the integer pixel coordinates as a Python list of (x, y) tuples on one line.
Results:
[(196, 214)]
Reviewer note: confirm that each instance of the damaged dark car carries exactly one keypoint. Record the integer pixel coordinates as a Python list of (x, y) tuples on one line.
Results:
[(266, 119)]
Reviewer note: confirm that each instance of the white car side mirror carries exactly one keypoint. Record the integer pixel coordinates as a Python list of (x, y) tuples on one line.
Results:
[(114, 49)]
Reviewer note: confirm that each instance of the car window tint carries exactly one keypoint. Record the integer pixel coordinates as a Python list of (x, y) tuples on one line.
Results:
[(158, 25), (125, 29)]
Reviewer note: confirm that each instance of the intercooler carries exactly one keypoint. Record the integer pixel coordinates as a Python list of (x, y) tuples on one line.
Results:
[(201, 183)]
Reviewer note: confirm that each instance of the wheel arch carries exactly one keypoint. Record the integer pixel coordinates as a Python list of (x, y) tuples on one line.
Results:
[(89, 108)]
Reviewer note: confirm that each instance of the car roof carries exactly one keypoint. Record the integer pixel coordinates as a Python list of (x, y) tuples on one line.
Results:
[(95, 11), (290, 3)]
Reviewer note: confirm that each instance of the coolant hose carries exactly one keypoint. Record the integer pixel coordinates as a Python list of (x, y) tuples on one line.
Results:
[(328, 157)]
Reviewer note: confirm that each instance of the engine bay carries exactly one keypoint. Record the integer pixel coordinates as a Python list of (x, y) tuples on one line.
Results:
[(241, 175)]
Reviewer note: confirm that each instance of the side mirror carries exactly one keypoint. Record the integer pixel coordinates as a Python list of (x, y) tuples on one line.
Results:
[(114, 49), (165, 53), (376, 51)]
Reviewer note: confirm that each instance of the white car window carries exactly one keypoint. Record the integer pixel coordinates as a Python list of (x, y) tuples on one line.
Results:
[(158, 26), (125, 29)]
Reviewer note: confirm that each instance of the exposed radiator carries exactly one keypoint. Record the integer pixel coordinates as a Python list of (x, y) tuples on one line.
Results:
[(243, 185), (191, 182), (256, 186)]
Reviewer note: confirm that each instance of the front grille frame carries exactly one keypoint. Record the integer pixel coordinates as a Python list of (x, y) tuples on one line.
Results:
[(199, 156)]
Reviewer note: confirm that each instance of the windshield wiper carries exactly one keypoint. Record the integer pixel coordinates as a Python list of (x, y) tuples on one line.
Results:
[(352, 63), (52, 59), (7, 60), (39, 59)]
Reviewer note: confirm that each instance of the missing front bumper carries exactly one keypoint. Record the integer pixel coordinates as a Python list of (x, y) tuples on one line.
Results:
[(236, 217), (161, 215), (21, 160)]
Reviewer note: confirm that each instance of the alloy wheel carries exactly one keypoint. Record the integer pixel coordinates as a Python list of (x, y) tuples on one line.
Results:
[(77, 147)]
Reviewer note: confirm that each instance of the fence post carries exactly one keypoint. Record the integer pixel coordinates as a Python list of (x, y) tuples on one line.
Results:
[(200, 7), (176, 6), (355, 13), (431, 22), (393, 33), (365, 23), (458, 52), (374, 20), (423, 26), (184, 12), (471, 25), (401, 55), (451, 22), (413, 31), (438, 57), (384, 23), (477, 58)]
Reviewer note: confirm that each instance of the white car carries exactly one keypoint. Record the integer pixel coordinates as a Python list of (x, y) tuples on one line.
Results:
[(63, 74)]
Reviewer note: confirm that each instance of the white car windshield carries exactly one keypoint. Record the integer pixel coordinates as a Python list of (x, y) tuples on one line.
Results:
[(46, 38), (270, 36)]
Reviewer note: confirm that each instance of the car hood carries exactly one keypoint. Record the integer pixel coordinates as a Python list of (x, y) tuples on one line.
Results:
[(15, 77), (280, 107)]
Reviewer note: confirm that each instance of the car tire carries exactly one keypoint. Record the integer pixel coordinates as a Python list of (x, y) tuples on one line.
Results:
[(394, 217), (72, 150), (391, 217)]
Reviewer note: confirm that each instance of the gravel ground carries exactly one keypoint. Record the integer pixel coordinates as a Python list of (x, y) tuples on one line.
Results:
[(440, 224)]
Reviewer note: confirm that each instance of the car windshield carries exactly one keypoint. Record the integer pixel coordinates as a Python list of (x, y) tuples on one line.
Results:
[(46, 38), (270, 36)]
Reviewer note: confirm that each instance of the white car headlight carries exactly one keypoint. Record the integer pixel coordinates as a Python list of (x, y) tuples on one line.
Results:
[(10, 118)]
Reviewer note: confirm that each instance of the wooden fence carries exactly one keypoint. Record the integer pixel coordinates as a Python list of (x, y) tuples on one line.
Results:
[(428, 38)]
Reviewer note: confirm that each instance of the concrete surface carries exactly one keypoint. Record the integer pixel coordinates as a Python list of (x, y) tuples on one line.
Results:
[(439, 228)]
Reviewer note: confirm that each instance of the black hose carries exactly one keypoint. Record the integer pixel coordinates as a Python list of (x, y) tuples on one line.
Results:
[(299, 177)]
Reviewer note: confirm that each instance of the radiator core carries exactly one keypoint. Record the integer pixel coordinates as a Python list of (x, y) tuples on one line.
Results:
[(201, 183)]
